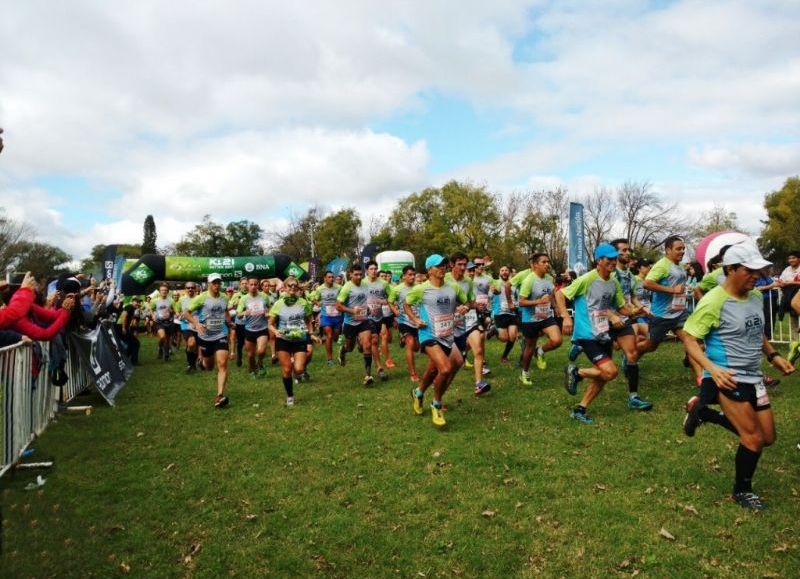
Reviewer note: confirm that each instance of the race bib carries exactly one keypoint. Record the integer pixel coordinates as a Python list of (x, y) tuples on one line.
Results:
[(599, 319), (471, 318), (443, 325), (331, 311), (678, 303), (214, 325), (360, 313), (255, 308), (762, 398), (386, 311), (375, 309), (542, 312)]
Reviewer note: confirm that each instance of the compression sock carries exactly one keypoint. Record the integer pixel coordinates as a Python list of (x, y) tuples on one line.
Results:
[(632, 374), (368, 364), (288, 386), (508, 348), (746, 462)]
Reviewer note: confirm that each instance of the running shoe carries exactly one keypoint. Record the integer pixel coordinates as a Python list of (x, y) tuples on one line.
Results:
[(571, 379), (290, 401), (486, 370), (415, 377), (482, 388), (416, 405), (636, 403), (467, 363), (221, 401), (525, 379), (253, 376), (306, 376), (574, 351), (382, 375), (189, 368), (368, 380), (541, 363), (390, 363), (794, 352), (581, 417), (692, 419), (437, 416), (749, 501), (330, 362), (341, 356), (503, 360)]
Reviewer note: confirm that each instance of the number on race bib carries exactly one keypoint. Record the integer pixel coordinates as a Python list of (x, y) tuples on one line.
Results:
[(542, 312), (599, 319), (678, 303), (331, 311), (214, 325), (360, 313), (443, 325), (762, 398), (471, 318)]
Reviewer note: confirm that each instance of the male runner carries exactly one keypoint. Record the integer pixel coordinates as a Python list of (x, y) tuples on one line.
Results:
[(162, 310), (409, 334), (377, 294), (352, 302), (189, 335), (730, 319), (466, 332), (330, 321), (504, 311), (598, 301), (212, 333), (538, 317), (626, 337), (667, 281), (438, 302), (252, 309)]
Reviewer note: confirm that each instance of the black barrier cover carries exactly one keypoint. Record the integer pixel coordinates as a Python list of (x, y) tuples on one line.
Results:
[(102, 358)]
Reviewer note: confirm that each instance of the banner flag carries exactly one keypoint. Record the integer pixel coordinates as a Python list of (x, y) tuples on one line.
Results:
[(109, 256), (577, 260), (102, 358)]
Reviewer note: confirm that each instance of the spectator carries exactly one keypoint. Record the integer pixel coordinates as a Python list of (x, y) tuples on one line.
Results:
[(768, 287), (20, 302)]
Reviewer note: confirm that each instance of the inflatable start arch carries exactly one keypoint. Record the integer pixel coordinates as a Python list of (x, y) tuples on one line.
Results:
[(154, 268)]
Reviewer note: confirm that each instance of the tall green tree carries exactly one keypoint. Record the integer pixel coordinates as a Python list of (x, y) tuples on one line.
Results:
[(149, 241), (456, 217), (12, 233), (780, 233), (206, 239), (243, 238), (324, 236), (717, 219), (42, 259)]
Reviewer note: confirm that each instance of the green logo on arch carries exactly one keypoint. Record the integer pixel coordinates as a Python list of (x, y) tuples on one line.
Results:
[(142, 274)]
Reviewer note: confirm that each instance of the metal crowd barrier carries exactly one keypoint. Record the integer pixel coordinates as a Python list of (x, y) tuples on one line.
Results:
[(78, 378), (28, 403)]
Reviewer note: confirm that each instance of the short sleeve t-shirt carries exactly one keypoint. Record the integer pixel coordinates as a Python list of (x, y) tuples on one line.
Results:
[(397, 295), (437, 308), (291, 318), (253, 311), (354, 296), (668, 274), (594, 297), (212, 312), (534, 288), (733, 332)]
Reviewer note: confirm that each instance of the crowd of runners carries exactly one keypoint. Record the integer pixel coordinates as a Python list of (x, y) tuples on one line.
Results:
[(443, 315)]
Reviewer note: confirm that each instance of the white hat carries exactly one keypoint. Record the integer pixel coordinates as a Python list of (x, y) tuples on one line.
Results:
[(746, 254), (214, 277)]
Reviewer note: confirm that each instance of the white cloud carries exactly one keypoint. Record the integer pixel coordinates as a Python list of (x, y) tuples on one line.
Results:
[(761, 159)]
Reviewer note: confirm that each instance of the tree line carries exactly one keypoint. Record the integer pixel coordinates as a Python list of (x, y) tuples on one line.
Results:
[(459, 215)]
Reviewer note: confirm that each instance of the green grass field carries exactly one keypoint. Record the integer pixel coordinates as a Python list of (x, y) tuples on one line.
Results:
[(349, 483)]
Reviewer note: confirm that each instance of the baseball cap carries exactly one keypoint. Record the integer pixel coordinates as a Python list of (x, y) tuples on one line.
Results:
[(214, 277), (605, 250), (470, 265), (747, 255), (435, 260)]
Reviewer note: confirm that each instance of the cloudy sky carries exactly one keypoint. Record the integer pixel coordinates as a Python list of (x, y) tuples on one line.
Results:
[(258, 109)]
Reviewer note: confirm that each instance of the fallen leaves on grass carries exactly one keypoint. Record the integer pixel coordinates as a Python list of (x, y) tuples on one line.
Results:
[(124, 568), (666, 534), (488, 513), (170, 466), (690, 509)]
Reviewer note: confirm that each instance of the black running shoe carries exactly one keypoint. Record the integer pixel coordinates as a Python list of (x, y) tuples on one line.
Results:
[(692, 419), (749, 501)]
